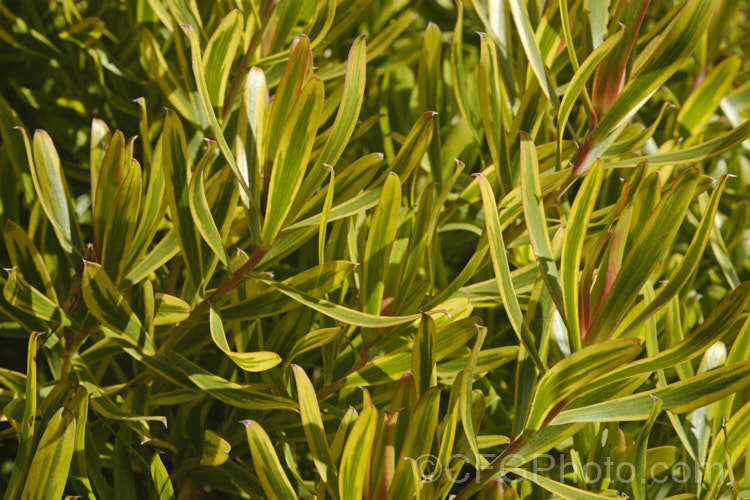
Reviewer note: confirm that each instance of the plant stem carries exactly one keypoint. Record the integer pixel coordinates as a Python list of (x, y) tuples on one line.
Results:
[(202, 307)]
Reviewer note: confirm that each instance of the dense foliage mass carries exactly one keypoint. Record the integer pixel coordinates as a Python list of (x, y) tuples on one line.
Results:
[(379, 249)]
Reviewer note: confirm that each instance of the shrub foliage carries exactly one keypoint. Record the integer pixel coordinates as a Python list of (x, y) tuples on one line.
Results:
[(374, 249)]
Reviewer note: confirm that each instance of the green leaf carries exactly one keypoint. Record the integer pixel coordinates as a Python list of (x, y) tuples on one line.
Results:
[(492, 106), (248, 361), (414, 146), (423, 357), (28, 299), (110, 173), (465, 399), (574, 373), (312, 424), (689, 264), (291, 157), (49, 468), (313, 340), (680, 397), (52, 191), (219, 54), (536, 221), (200, 210), (25, 256), (356, 455), (215, 449), (559, 489), (249, 146), (652, 243), (703, 101), (107, 305), (654, 68), (267, 301), (177, 173), (164, 489), (417, 442), (526, 34), (572, 249), (380, 240), (717, 325), (169, 310), (690, 154), (641, 446), (120, 228), (338, 312), (502, 272), (266, 462), (345, 121), (578, 84)]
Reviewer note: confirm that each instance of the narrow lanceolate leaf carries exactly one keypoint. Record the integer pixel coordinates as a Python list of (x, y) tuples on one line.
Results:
[(502, 272), (351, 103), (429, 80), (267, 301), (465, 399), (560, 490), (526, 34), (414, 146), (491, 106), (219, 54), (121, 223), (417, 441), (169, 310), (379, 245), (325, 214), (714, 328), (641, 446), (249, 146), (107, 305), (572, 249), (52, 191), (647, 250), (49, 468), (162, 483), (267, 465), (25, 256), (109, 177), (732, 441), (689, 264), (573, 374), (291, 157), (248, 361), (655, 68), (201, 211), (355, 459), (691, 154), (704, 100), (28, 424), (28, 299), (610, 76), (344, 123), (100, 141), (680, 397), (205, 98), (177, 174), (312, 424), (578, 83), (536, 221), (295, 74), (423, 357), (313, 340), (215, 449)]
